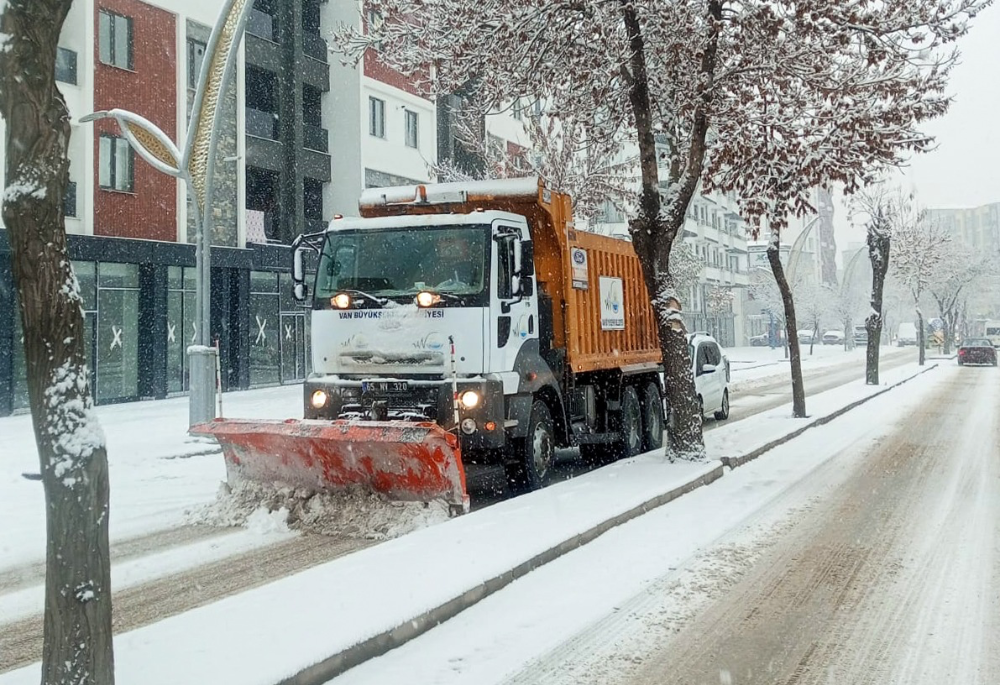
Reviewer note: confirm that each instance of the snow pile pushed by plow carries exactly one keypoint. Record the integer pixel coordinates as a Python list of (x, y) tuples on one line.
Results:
[(355, 512)]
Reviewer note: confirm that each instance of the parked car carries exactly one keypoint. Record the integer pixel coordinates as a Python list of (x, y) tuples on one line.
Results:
[(762, 340), (711, 375), (906, 335), (833, 338), (860, 335), (805, 337), (977, 351)]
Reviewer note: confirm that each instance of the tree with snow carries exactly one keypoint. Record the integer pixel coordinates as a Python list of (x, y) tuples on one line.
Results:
[(591, 170), (814, 305), (957, 271), (883, 210), (71, 449), (768, 100), (919, 249)]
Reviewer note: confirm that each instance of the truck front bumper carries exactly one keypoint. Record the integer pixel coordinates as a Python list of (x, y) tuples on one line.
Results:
[(480, 422)]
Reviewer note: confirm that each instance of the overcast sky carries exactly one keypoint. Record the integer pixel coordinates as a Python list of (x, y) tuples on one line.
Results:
[(963, 170)]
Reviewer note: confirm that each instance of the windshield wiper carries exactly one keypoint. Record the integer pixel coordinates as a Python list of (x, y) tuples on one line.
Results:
[(380, 301), (454, 297)]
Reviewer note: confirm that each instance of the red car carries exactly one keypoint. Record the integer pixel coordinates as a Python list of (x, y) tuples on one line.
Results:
[(977, 351)]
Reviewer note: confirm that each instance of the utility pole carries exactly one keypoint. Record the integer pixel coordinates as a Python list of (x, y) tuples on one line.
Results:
[(196, 167)]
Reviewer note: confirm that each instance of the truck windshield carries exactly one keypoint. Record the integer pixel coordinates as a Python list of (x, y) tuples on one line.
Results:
[(401, 262)]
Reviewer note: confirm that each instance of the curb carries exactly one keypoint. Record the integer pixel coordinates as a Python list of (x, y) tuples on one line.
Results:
[(383, 643), (736, 462)]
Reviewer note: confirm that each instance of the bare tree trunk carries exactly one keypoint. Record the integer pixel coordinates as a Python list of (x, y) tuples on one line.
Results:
[(798, 387), (654, 229), (921, 338), (77, 625), (878, 253)]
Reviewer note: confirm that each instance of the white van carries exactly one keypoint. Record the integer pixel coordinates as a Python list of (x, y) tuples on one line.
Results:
[(906, 335), (993, 332)]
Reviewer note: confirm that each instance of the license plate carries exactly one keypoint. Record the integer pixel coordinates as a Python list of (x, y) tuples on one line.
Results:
[(384, 387)]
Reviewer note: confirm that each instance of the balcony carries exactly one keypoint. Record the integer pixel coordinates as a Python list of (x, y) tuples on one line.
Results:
[(261, 124), (262, 227), (263, 25), (314, 46), (315, 138)]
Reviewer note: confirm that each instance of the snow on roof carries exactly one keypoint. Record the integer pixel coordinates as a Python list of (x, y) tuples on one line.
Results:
[(451, 192)]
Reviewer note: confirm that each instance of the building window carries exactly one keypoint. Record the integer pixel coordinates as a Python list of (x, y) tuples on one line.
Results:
[(412, 129), (518, 109), (116, 40), (196, 56), (376, 117), (375, 26), (69, 200), (116, 164), (66, 66)]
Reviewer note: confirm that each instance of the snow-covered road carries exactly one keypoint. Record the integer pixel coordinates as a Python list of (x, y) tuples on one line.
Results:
[(881, 566), (893, 578), (167, 571)]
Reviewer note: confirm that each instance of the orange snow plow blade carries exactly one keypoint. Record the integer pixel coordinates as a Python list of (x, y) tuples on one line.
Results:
[(404, 460)]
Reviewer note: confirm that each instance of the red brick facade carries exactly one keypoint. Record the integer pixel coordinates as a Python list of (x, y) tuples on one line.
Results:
[(149, 89)]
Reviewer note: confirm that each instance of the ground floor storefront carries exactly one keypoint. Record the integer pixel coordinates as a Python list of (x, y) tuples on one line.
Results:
[(139, 299)]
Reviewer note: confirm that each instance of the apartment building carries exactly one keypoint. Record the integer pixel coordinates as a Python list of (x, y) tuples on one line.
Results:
[(129, 225), (385, 128), (978, 228), (287, 83)]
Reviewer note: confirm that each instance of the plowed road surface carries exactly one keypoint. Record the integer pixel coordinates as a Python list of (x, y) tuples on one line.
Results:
[(218, 577), (892, 579)]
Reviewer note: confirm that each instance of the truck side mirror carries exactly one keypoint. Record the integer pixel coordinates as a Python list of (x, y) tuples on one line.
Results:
[(517, 258), (525, 286), (299, 289)]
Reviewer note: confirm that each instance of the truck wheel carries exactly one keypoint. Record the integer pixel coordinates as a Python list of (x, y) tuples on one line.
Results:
[(534, 455), (723, 412), (652, 418), (630, 424)]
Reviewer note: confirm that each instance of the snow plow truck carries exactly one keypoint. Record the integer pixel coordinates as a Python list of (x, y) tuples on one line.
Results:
[(460, 323)]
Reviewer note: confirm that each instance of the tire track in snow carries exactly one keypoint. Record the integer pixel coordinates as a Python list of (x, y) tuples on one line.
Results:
[(891, 580), (21, 641), (18, 577)]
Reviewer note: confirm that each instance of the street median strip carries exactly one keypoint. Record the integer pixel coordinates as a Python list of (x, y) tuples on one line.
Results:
[(736, 462)]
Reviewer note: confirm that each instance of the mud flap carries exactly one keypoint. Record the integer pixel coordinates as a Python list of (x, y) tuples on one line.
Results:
[(404, 460)]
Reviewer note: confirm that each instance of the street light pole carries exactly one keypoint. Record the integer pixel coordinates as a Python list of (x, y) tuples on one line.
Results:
[(196, 167)]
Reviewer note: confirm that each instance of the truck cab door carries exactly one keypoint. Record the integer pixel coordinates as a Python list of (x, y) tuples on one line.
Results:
[(513, 316)]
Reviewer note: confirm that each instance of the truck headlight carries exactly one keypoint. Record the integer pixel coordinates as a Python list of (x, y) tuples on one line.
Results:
[(468, 426), (469, 399), (319, 399), (427, 299), (341, 301)]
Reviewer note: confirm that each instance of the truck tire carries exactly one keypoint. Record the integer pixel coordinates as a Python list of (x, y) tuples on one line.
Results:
[(533, 456), (628, 426), (653, 423)]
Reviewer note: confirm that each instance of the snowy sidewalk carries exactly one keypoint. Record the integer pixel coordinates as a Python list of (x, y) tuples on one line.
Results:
[(308, 627), (157, 471)]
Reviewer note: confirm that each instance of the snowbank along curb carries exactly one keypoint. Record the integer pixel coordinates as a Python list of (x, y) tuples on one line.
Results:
[(736, 462), (383, 643)]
